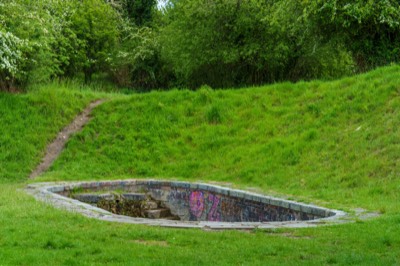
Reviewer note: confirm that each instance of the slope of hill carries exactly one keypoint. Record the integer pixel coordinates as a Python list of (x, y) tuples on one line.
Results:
[(28, 122), (333, 143)]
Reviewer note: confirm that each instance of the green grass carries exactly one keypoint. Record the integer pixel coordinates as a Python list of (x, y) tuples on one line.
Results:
[(33, 233), (28, 123), (332, 143), (336, 142)]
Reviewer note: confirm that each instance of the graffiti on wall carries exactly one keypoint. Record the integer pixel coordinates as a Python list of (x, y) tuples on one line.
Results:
[(196, 203), (203, 205), (214, 214)]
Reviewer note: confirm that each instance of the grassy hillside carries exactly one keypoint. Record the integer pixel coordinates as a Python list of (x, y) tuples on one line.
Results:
[(333, 143), (337, 142), (28, 122)]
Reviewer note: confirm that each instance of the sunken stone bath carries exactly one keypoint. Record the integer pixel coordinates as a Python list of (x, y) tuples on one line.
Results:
[(181, 204)]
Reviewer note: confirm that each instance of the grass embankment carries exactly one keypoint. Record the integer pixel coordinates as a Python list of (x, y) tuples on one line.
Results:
[(337, 142), (334, 143), (28, 122)]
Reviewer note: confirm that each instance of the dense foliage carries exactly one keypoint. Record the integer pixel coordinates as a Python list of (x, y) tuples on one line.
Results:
[(190, 43), (61, 38), (10, 59)]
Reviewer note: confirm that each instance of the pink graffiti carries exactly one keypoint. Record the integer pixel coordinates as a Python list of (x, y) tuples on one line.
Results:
[(196, 203), (213, 214)]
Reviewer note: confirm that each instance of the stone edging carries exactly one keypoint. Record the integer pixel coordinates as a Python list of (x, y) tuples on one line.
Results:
[(47, 192)]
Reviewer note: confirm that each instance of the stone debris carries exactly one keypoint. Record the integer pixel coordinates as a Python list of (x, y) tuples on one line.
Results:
[(157, 213), (129, 204)]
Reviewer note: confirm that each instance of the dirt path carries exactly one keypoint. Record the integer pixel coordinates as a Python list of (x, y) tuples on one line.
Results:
[(54, 149)]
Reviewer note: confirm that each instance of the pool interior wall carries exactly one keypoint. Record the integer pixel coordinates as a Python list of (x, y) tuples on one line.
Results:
[(201, 202), (56, 194)]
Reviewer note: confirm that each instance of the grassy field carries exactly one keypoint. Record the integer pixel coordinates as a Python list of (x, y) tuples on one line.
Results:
[(336, 144)]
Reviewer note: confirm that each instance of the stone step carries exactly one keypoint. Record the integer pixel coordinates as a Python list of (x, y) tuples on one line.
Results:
[(150, 205), (93, 198), (172, 218), (134, 196), (157, 214)]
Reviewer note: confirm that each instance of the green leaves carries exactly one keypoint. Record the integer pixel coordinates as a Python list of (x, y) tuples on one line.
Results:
[(95, 24), (62, 38), (223, 43), (140, 12), (9, 52), (369, 28), (11, 59)]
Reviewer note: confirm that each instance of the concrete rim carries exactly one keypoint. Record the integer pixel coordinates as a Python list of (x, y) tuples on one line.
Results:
[(47, 192)]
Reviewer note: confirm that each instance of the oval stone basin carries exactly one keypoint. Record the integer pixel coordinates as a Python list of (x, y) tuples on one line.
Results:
[(181, 204)]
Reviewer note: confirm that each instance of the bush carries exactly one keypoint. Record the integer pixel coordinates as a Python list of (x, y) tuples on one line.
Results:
[(223, 43), (64, 38), (95, 24), (368, 28), (11, 60), (232, 43)]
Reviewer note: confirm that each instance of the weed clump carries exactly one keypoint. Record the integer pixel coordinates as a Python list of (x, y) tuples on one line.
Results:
[(214, 115)]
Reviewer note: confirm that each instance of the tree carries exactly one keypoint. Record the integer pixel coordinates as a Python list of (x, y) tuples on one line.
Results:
[(95, 24), (369, 28), (140, 12), (224, 43)]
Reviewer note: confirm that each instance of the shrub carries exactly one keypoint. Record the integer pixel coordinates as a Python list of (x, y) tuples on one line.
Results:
[(11, 60), (214, 115)]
